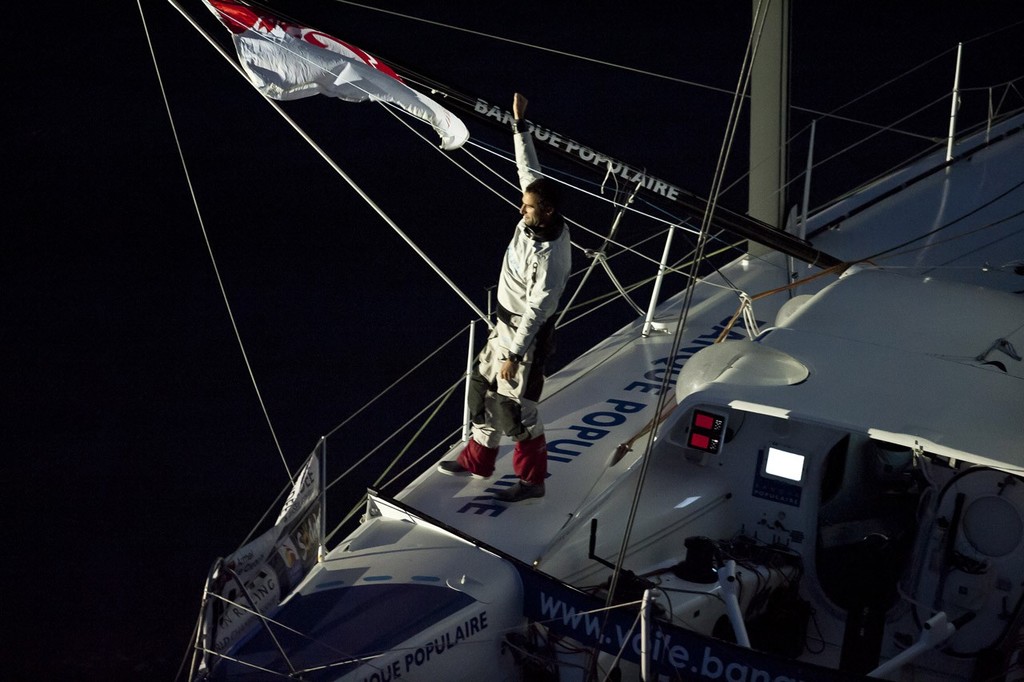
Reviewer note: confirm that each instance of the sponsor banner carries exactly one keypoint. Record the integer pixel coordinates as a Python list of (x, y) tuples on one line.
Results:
[(260, 574), (304, 491), (676, 653), (548, 138), (627, 176)]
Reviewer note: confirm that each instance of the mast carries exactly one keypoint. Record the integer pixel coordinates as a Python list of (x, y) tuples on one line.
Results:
[(769, 120)]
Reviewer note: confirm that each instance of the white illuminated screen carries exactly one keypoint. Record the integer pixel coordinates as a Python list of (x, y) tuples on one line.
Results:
[(788, 465)]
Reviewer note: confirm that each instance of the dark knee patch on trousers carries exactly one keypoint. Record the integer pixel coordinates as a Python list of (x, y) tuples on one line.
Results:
[(509, 418), (478, 387)]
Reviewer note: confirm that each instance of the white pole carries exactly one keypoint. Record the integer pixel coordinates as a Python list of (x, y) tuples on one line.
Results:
[(662, 269), (321, 553), (807, 183), (935, 631), (645, 634), (954, 105), (466, 426), (801, 220), (730, 594), (991, 114)]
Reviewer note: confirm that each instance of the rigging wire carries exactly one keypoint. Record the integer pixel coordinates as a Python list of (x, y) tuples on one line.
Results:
[(396, 382), (443, 442), (492, 36), (830, 115), (411, 420), (741, 87), (598, 255), (206, 236)]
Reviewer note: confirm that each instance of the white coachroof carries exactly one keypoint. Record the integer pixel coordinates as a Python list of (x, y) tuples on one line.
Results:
[(960, 221), (898, 357)]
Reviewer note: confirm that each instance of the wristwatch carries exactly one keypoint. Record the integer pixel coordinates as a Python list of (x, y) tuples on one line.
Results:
[(516, 358)]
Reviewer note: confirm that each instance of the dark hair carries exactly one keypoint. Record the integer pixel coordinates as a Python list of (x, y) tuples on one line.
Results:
[(549, 192)]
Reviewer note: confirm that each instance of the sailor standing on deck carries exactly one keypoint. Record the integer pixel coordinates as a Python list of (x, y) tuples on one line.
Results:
[(508, 374)]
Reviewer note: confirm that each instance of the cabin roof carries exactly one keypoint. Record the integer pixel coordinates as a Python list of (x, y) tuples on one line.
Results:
[(898, 357)]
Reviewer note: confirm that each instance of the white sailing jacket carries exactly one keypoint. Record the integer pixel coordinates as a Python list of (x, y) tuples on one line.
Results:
[(533, 272)]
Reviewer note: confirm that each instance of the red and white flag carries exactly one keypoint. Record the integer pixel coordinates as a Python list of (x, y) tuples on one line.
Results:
[(288, 61)]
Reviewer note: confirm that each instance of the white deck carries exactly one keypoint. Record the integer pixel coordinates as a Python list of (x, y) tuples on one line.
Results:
[(911, 337), (976, 201), (598, 401)]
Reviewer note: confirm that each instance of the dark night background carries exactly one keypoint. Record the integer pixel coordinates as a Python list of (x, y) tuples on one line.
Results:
[(136, 449)]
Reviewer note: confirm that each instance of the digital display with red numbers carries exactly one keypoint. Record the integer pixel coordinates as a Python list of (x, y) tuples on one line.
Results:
[(707, 431), (703, 421)]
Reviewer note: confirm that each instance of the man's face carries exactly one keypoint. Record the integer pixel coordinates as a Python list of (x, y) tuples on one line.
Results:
[(533, 215)]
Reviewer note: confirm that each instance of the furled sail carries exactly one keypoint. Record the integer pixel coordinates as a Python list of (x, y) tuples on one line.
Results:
[(287, 61)]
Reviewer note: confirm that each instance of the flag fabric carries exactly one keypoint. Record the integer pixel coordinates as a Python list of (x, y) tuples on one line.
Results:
[(287, 61)]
